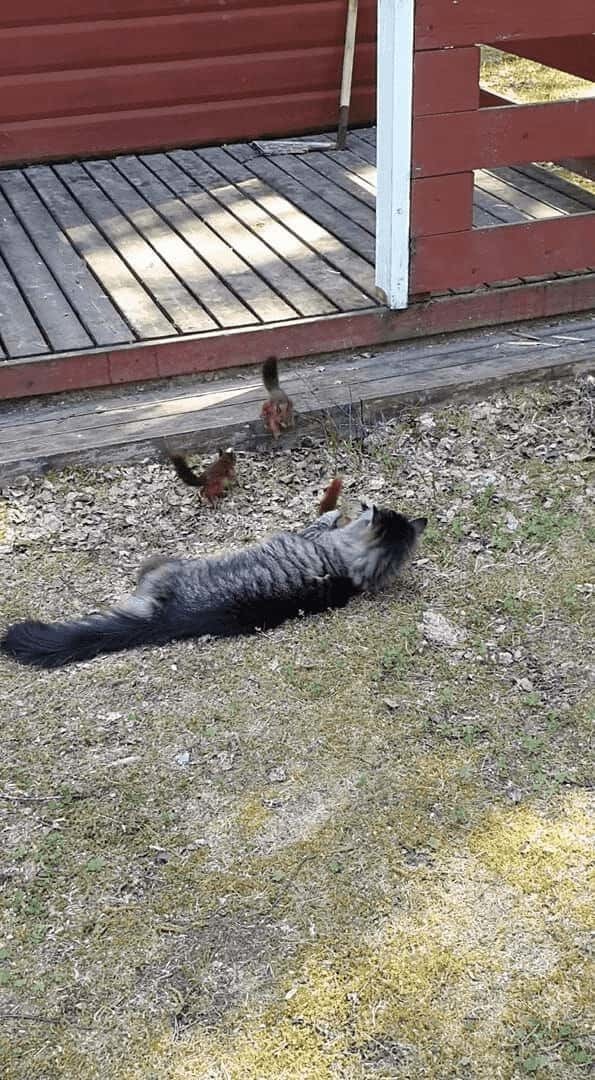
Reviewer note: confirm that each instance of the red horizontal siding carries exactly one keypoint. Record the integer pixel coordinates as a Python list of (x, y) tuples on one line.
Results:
[(74, 93), (183, 125), (36, 12), (72, 46), (228, 70)]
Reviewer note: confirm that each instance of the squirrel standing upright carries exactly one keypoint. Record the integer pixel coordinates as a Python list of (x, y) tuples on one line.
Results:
[(277, 412)]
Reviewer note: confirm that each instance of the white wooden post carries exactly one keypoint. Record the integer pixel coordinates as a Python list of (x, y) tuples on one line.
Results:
[(393, 147)]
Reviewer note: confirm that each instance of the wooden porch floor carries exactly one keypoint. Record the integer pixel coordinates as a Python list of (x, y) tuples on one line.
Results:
[(146, 248)]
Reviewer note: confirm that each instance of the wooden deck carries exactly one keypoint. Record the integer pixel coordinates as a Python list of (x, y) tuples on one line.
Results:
[(97, 257), (345, 396)]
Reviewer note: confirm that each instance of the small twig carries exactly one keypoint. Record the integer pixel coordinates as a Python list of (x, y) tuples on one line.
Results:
[(36, 1019), (31, 798), (72, 795), (288, 883)]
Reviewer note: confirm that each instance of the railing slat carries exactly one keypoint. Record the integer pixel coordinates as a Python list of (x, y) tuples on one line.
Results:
[(509, 135), (457, 260)]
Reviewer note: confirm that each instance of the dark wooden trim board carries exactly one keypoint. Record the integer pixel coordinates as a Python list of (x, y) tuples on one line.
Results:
[(307, 337), (345, 396)]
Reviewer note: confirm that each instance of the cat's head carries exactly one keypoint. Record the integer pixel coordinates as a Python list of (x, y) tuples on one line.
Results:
[(392, 528)]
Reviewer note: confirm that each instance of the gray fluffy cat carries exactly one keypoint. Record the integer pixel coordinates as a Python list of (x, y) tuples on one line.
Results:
[(254, 589)]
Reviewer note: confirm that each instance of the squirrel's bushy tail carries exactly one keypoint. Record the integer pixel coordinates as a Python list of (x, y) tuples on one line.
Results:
[(270, 374), (186, 474)]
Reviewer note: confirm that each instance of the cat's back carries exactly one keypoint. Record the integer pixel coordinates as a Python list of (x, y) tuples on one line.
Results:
[(280, 561)]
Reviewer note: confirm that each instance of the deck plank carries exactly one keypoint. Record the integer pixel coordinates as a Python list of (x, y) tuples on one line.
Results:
[(360, 171), (502, 212), (190, 271), (18, 330), (533, 208), (324, 213), (540, 189), (362, 147), (334, 175), (315, 292), (287, 293), (322, 187), (161, 246), (312, 250), (191, 250), (153, 273), (215, 249), (558, 183), (42, 293), (95, 310), (136, 306), (367, 134), (482, 217), (354, 238)]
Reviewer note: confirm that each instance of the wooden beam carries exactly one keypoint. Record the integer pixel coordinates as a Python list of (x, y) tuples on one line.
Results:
[(457, 260), (582, 166), (36, 447), (487, 99), (395, 103), (445, 80), (575, 55), (510, 135), (442, 204), (308, 337), (439, 23)]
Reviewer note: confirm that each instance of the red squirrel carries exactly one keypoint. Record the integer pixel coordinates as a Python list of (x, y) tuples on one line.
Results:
[(214, 480), (277, 412), (331, 496)]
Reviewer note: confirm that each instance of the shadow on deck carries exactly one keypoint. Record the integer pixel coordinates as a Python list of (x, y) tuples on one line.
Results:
[(147, 266)]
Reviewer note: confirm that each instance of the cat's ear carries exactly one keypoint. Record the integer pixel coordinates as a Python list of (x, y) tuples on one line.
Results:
[(419, 525)]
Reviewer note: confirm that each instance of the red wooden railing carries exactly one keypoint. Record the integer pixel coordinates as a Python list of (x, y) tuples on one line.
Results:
[(453, 134)]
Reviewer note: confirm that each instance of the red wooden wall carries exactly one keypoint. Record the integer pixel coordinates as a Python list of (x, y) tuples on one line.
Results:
[(88, 77)]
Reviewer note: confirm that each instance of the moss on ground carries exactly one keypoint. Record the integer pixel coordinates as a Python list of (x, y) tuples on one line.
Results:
[(338, 849)]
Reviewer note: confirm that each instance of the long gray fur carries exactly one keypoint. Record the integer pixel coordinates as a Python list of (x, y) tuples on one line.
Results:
[(320, 567)]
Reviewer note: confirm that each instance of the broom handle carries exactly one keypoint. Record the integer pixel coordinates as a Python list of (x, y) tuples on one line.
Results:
[(348, 54)]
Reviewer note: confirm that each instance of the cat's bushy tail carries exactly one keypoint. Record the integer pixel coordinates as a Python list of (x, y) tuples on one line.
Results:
[(52, 645)]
